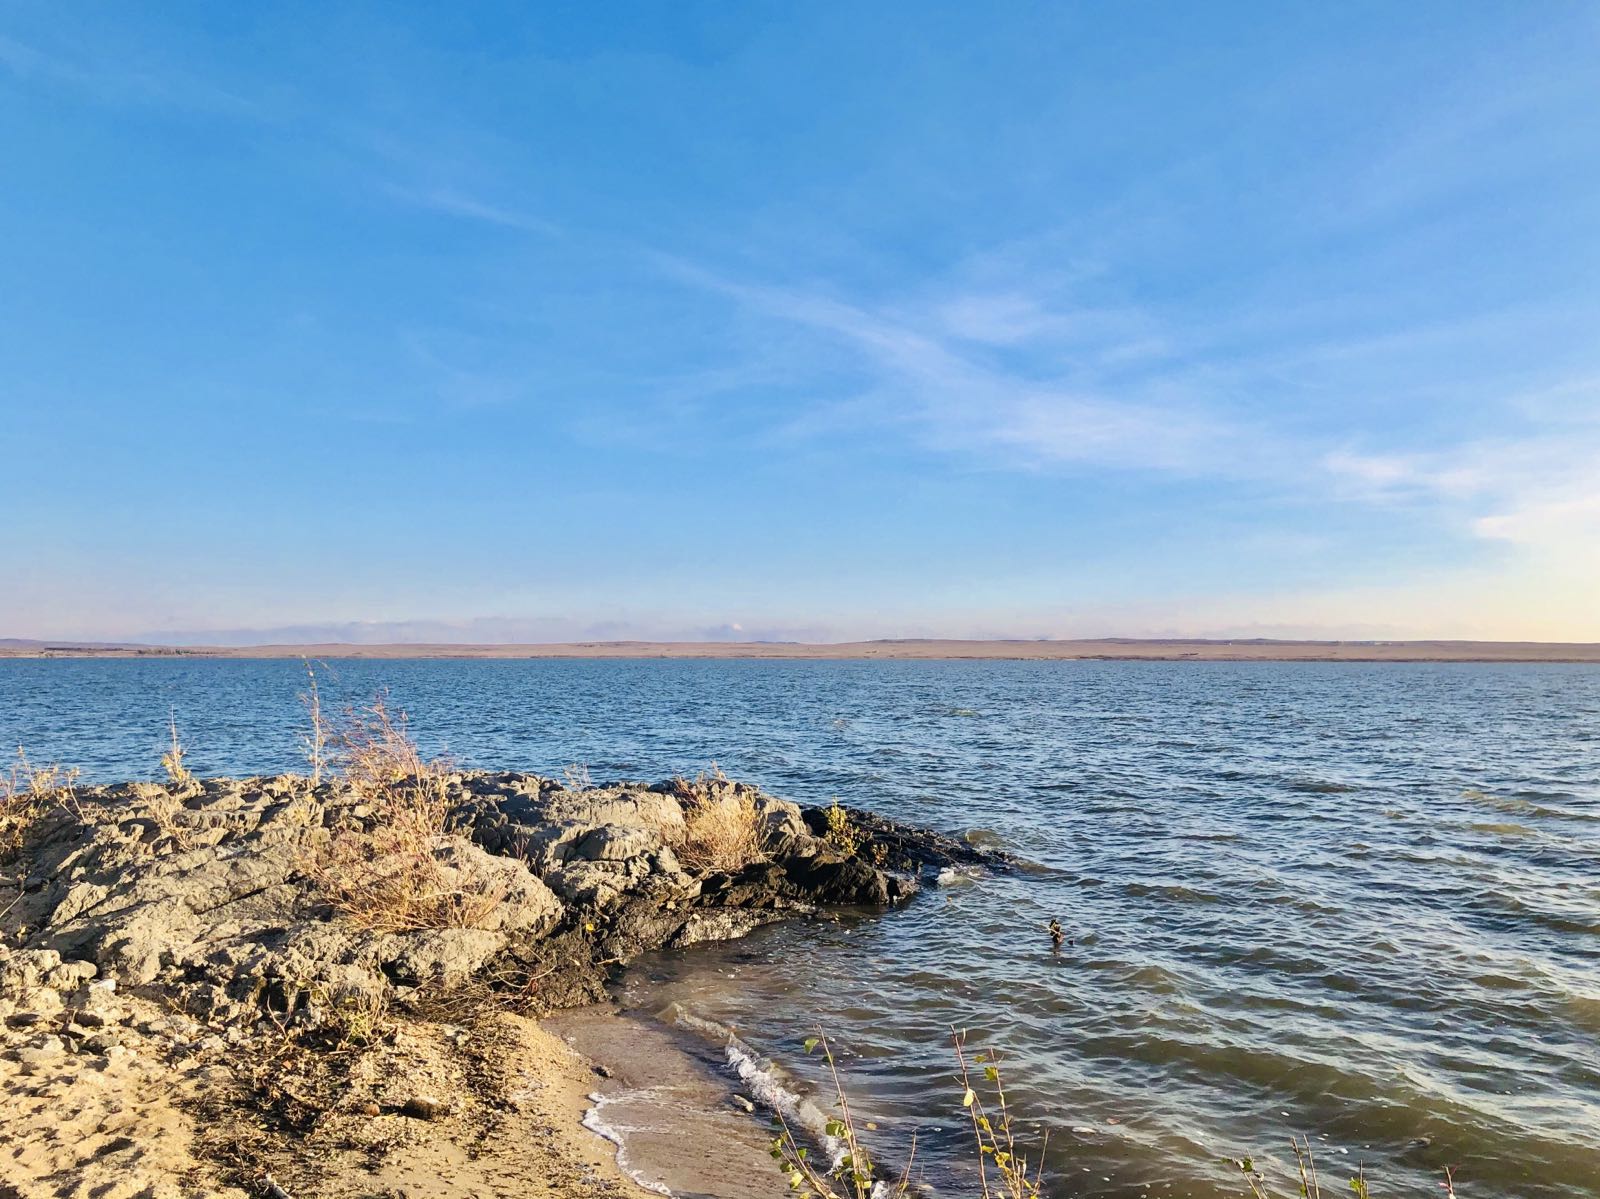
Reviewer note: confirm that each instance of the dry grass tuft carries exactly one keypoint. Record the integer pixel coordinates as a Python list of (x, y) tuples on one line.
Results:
[(722, 830), (28, 793), (388, 875)]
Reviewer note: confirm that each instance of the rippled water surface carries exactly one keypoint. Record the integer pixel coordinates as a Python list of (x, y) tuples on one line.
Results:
[(1355, 901)]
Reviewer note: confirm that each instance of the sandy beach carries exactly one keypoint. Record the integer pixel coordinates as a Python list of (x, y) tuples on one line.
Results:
[(1109, 648)]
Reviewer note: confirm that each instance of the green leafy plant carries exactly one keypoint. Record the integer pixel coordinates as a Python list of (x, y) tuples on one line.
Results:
[(1004, 1169), (993, 1131), (840, 831), (850, 1175)]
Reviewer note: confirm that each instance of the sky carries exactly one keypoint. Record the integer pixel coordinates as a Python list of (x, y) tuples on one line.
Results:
[(799, 321)]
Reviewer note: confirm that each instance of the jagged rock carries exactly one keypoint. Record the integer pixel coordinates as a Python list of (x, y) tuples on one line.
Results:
[(68, 975), (616, 843), (443, 955), (39, 1003), (214, 894), (41, 1051), (95, 1007), (24, 968), (723, 924)]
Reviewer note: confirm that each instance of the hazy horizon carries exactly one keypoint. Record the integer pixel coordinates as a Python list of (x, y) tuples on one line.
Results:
[(401, 635), (812, 323)]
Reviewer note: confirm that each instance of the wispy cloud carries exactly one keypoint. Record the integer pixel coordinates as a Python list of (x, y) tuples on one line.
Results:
[(123, 78), (931, 373), (1539, 489), (452, 201), (1031, 383)]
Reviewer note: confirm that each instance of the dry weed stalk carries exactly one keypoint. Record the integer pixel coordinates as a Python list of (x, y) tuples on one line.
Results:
[(387, 875), (172, 760), (314, 741)]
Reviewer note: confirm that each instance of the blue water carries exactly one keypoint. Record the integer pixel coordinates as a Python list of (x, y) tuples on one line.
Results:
[(1355, 901)]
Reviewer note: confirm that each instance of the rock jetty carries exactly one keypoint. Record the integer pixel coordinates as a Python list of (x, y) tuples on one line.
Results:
[(242, 926)]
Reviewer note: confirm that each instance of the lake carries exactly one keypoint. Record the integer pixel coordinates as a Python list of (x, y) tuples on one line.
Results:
[(1354, 901)]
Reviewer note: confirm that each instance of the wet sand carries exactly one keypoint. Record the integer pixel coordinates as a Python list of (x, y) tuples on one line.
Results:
[(1110, 648), (674, 1118)]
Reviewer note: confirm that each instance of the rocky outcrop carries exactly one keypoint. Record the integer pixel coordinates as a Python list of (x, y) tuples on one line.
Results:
[(215, 893)]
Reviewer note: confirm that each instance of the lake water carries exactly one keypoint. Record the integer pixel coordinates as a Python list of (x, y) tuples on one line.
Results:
[(1359, 902)]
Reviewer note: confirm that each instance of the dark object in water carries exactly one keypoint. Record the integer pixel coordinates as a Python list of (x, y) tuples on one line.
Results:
[(1055, 932)]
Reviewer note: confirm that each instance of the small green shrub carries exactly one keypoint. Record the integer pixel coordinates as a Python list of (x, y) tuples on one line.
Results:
[(841, 831)]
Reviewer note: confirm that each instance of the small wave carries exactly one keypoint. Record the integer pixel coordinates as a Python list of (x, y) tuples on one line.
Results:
[(950, 876), (595, 1122), (763, 1079), (1320, 786), (1502, 803), (1584, 1010), (1504, 829), (1521, 804), (1174, 892)]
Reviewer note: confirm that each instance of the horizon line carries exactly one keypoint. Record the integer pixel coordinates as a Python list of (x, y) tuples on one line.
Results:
[(902, 648)]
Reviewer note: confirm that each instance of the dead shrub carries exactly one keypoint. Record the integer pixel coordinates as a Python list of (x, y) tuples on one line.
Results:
[(387, 873), (27, 794), (721, 827)]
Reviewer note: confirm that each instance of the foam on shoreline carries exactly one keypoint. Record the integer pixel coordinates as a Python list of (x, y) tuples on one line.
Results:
[(764, 1080), (670, 1114)]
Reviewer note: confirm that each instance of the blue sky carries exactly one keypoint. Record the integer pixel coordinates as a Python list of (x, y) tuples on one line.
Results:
[(816, 321)]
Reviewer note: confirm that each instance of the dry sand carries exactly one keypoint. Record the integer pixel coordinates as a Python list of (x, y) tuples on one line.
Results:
[(1112, 648), (142, 1121)]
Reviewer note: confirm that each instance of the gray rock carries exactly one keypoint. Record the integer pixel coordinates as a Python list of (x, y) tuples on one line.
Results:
[(219, 896), (616, 843)]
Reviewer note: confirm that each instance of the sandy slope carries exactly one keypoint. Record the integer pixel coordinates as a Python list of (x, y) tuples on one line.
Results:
[(137, 1110)]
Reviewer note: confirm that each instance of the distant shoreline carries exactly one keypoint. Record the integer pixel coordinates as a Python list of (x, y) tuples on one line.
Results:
[(1103, 649)]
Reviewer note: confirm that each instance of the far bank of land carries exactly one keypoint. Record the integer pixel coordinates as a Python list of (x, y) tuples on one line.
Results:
[(1113, 648)]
